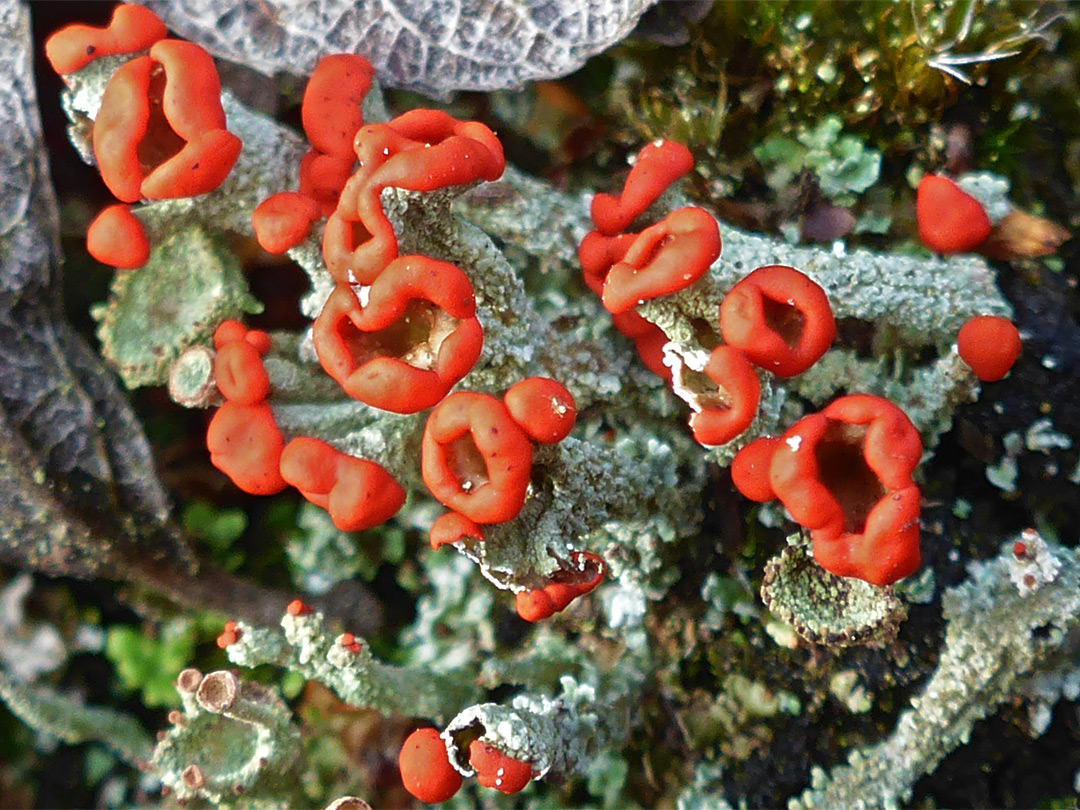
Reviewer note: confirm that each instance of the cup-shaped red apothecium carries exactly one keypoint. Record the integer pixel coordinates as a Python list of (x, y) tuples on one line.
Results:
[(845, 474), (649, 340), (425, 767), (239, 373), (405, 347), (364, 494), (310, 465), (132, 28), (729, 404), (598, 253), (475, 459), (422, 150), (429, 150), (232, 330), (283, 220), (323, 178), (358, 493), (658, 165), (238, 367), (664, 258), (780, 317), (160, 131), (586, 571)]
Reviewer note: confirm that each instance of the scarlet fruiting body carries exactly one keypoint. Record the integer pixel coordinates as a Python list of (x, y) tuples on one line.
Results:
[(132, 28), (349, 642), (845, 474), (160, 131), (658, 165), (475, 459), (228, 331), (413, 339), (239, 373), (246, 445), (454, 527), (310, 465), (358, 493), (586, 571), (664, 258), (780, 318), (425, 767), (950, 220), (989, 345), (116, 237), (650, 347), (729, 410), (230, 634), (597, 253), (422, 150), (298, 608), (259, 339), (323, 177), (494, 769), (331, 112), (543, 408), (238, 368), (750, 469), (364, 495), (282, 221)]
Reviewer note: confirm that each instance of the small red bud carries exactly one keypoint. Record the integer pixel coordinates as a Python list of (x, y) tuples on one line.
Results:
[(349, 642), (298, 608)]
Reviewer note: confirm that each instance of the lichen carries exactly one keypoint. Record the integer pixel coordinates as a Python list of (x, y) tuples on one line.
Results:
[(995, 637), (824, 608)]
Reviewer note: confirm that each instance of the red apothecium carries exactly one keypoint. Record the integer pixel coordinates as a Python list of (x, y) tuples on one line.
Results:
[(949, 219), (132, 28), (160, 130), (728, 411), (409, 343), (780, 318), (658, 165), (475, 459), (845, 474), (989, 345), (664, 258)]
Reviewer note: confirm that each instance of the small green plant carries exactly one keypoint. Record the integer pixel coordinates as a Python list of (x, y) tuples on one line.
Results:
[(842, 164), (148, 661)]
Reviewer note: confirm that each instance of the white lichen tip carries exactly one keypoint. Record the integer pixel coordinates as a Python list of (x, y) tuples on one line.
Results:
[(1032, 563), (681, 359)]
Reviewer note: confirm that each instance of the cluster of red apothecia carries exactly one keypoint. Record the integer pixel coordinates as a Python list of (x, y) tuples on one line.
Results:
[(398, 332), (425, 766), (845, 474), (428, 775), (775, 318), (160, 131)]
